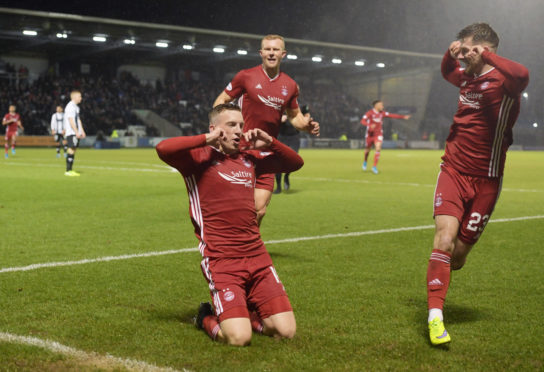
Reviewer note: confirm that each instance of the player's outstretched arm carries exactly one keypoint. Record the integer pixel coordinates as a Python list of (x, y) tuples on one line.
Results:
[(303, 122), (222, 99)]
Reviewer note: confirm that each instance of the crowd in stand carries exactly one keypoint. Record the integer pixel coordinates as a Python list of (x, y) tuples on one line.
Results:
[(337, 112), (108, 103)]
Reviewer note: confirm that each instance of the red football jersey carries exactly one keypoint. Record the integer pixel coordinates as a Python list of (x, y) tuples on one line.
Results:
[(373, 120), (263, 99), (221, 191), (487, 111), (13, 126)]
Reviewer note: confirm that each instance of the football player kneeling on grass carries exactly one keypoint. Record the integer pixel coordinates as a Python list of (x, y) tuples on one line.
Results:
[(220, 176)]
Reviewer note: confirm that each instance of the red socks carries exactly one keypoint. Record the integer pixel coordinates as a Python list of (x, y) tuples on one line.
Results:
[(211, 326), (438, 278), (376, 157), (256, 322)]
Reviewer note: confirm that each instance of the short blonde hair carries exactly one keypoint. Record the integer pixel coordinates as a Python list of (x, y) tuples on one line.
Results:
[(273, 37)]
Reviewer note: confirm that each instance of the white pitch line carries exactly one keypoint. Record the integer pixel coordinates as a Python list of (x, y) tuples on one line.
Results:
[(344, 180), (61, 167), (93, 260), (92, 357), (167, 169), (268, 242), (110, 162)]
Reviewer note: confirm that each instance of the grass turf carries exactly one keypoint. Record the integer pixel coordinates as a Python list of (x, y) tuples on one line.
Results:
[(360, 301)]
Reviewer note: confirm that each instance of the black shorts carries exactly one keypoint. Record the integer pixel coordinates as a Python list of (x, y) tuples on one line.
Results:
[(72, 142), (292, 141), (59, 137)]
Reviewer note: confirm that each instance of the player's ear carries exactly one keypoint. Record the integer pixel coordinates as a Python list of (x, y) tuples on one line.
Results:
[(284, 53)]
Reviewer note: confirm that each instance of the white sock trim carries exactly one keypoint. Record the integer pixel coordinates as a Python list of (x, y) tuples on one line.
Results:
[(433, 313)]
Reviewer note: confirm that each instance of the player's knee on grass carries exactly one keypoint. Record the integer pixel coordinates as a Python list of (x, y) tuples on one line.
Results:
[(278, 318), (236, 331), (281, 325)]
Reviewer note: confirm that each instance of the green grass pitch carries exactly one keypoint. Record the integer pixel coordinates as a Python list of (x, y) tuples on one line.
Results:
[(360, 301)]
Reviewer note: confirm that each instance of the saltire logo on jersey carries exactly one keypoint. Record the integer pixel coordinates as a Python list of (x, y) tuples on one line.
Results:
[(238, 178), (268, 102), (472, 100)]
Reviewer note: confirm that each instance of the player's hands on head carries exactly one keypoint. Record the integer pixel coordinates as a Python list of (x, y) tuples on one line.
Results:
[(257, 139), (213, 137), (455, 48), (479, 49)]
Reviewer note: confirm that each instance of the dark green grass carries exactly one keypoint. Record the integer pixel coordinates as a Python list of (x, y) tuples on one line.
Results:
[(360, 302)]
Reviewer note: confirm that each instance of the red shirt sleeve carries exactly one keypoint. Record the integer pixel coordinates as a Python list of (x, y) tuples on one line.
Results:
[(278, 159), (451, 69), (176, 152), (293, 103), (517, 75), (393, 116), (236, 87)]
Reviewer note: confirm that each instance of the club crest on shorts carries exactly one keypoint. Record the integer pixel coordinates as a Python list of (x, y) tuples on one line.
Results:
[(438, 200), (228, 296)]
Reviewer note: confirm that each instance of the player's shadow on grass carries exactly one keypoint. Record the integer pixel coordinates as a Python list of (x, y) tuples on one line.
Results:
[(280, 255), (291, 191), (453, 314), (167, 315)]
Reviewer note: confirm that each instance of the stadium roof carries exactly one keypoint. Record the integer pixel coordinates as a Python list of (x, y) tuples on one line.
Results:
[(67, 36)]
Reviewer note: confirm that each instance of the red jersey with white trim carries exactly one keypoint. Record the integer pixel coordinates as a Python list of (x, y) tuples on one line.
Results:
[(373, 120), (221, 191), (13, 126), (488, 108), (263, 99)]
